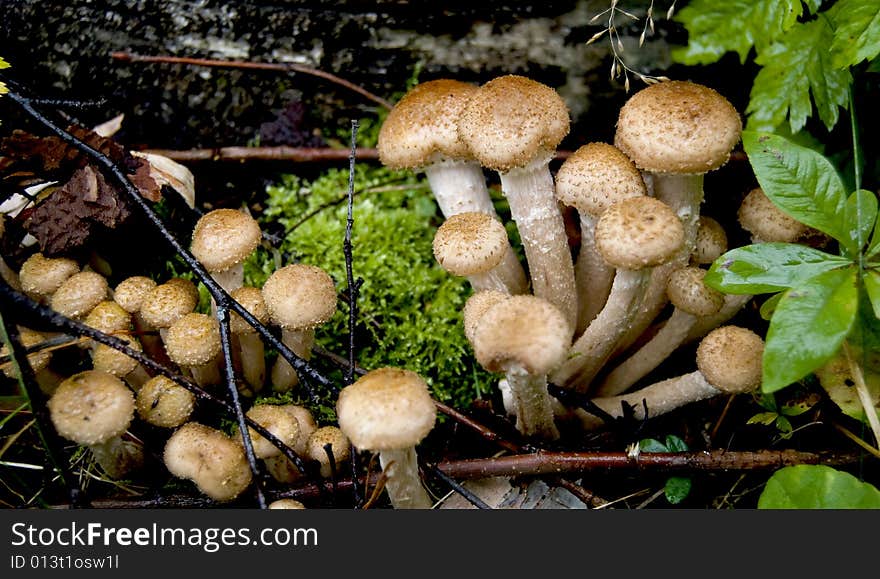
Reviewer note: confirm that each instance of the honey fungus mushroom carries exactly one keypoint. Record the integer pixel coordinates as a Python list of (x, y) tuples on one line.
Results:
[(221, 240)]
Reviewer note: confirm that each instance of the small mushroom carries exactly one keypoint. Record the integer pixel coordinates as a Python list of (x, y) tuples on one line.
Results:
[(280, 467), (109, 359), (221, 240), (41, 276), (420, 133), (193, 343), (389, 411), (711, 241), (339, 449), (477, 305), (512, 125), (130, 294), (728, 362), (209, 458), (280, 423), (249, 351), (79, 294), (166, 303), (94, 409), (47, 379), (475, 245), (161, 402)]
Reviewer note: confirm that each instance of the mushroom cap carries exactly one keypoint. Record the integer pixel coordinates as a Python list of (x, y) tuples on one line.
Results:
[(186, 285), (422, 126), (470, 243), (109, 317), (130, 292), (711, 241), (595, 176), (282, 424), (28, 338), (686, 291), (223, 238), (78, 294), (386, 409), (522, 332), (208, 457), (251, 298), (193, 340), (162, 402), (766, 222), (108, 359), (91, 407), (512, 120), (340, 446), (678, 127), (474, 308), (638, 232), (41, 276), (730, 358), (307, 425), (166, 303), (286, 504), (300, 296)]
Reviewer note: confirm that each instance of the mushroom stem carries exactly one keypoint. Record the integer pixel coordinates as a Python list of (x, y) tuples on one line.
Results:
[(230, 279), (532, 404), (252, 351), (508, 277), (207, 374), (593, 276), (117, 456), (530, 192), (733, 303), (402, 483), (284, 377), (459, 186)]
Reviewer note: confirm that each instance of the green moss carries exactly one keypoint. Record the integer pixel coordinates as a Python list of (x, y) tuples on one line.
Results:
[(409, 308)]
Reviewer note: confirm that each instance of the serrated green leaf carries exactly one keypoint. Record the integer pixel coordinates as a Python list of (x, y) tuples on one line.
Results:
[(677, 489), (769, 306), (859, 216), (768, 267), (808, 327), (652, 445), (856, 31), (794, 68), (715, 28), (871, 279), (765, 418), (798, 180), (816, 486)]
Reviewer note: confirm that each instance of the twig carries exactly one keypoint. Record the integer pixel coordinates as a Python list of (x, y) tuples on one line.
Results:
[(347, 251), (282, 67), (282, 153), (471, 497)]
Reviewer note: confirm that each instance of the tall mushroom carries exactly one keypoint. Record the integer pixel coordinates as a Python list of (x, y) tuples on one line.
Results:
[(513, 125), (420, 134), (94, 409), (475, 245), (299, 297), (389, 411), (525, 338), (728, 362), (221, 240), (676, 131), (634, 236), (593, 178)]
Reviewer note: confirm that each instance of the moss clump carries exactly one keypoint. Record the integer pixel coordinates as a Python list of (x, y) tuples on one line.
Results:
[(409, 308)]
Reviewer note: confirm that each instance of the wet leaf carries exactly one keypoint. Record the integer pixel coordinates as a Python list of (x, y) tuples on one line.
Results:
[(807, 486)]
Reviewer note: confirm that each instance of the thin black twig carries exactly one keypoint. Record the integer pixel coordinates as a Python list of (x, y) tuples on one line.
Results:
[(471, 497)]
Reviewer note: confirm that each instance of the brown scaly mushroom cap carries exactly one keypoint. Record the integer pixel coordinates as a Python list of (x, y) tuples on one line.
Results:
[(277, 421), (422, 126), (166, 303), (108, 359), (711, 241), (766, 222), (162, 402), (91, 407), (38, 360), (524, 331), (340, 446), (595, 176), (300, 296), (209, 458), (678, 127), (223, 238), (109, 317), (386, 408), (470, 243), (193, 340), (307, 425), (511, 120), (638, 232), (41, 276), (251, 298), (730, 357), (686, 291), (130, 292), (477, 305), (79, 293)]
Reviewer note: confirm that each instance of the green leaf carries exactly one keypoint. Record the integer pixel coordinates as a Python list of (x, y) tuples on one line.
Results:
[(808, 327), (715, 28), (768, 267), (769, 306), (871, 279), (816, 486), (652, 445), (874, 246), (794, 68), (677, 489), (675, 443), (859, 216), (765, 418), (783, 425), (857, 31), (798, 180)]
